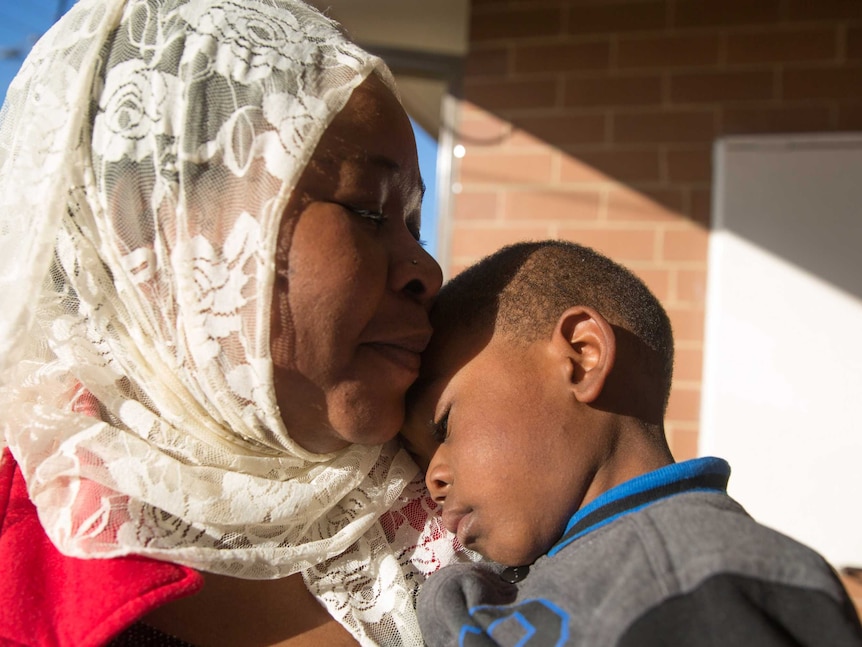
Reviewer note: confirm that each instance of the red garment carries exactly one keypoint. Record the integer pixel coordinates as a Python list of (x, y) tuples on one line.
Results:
[(48, 599)]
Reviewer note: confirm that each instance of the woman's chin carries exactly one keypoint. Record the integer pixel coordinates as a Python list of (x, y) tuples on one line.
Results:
[(378, 430), (377, 434), (377, 420)]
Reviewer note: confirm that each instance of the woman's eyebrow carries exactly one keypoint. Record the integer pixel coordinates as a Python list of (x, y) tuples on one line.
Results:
[(375, 159), (385, 162)]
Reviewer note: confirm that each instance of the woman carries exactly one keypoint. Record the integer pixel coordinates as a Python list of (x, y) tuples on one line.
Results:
[(214, 302)]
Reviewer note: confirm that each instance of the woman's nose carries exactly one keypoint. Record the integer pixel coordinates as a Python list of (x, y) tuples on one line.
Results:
[(418, 275)]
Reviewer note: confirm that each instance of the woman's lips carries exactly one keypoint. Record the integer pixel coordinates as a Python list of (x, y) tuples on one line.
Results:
[(406, 358), (403, 350)]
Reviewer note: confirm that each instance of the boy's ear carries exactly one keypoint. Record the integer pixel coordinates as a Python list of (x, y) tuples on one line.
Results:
[(587, 341)]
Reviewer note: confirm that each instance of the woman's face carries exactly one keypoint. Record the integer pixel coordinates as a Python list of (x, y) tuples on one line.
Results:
[(353, 284)]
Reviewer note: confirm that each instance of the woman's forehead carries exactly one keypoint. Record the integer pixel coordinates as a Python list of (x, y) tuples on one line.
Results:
[(371, 134)]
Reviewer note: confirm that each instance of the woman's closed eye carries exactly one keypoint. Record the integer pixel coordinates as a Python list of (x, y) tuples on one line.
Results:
[(378, 218), (375, 216)]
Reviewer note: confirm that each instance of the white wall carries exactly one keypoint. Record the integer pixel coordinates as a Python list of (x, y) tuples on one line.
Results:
[(782, 389)]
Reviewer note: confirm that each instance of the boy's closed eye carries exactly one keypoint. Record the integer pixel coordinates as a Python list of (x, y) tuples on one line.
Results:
[(420, 438), (440, 429)]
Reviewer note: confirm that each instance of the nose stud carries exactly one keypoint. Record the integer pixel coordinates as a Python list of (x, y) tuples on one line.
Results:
[(415, 262)]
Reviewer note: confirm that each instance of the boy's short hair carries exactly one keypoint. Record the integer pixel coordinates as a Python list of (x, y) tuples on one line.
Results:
[(521, 290)]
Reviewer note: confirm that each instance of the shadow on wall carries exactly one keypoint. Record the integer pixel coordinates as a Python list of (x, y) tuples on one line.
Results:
[(800, 198), (609, 110)]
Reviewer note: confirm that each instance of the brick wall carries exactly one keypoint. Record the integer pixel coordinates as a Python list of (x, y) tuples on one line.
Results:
[(593, 120)]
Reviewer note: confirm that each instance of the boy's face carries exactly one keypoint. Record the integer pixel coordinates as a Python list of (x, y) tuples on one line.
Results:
[(510, 468)]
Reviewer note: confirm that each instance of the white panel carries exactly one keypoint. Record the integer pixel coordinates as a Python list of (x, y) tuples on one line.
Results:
[(782, 389)]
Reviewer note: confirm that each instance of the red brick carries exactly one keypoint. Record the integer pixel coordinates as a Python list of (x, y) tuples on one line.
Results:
[(668, 51), (685, 245), (691, 286), (850, 117), (658, 281), (664, 127), (783, 46), (673, 199), (684, 404), (483, 129), (854, 43), (824, 10), (689, 164), (623, 245), (561, 130), (713, 87), (454, 269), (506, 23), (617, 17), (688, 365), (521, 139), (786, 119), (689, 212), (613, 91), (683, 442), (823, 83), (574, 170), (470, 110), (626, 204), (509, 95), (472, 243), (475, 206), (620, 164), (565, 57), (552, 205), (715, 13), (701, 207), (501, 168), (487, 62), (687, 324)]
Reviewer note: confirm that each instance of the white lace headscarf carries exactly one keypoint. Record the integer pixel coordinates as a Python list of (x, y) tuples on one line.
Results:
[(147, 151)]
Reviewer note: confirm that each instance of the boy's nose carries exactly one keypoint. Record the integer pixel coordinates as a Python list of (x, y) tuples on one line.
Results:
[(438, 478)]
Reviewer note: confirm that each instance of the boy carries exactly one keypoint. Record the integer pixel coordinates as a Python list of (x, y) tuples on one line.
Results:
[(540, 406)]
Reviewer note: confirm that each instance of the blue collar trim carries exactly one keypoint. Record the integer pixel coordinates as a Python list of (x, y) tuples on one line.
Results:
[(696, 475)]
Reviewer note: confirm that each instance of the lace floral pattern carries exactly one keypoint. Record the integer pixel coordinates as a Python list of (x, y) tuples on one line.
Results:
[(215, 315), (159, 141)]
